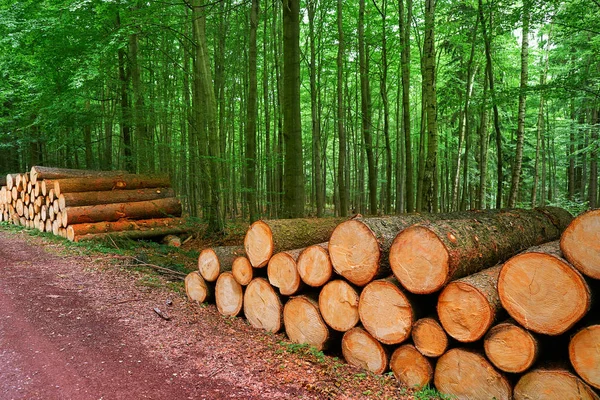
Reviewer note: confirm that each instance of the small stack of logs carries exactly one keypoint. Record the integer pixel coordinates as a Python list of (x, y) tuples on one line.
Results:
[(86, 205), (483, 304)]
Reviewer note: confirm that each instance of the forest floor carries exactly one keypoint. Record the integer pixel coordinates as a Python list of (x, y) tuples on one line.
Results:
[(79, 324)]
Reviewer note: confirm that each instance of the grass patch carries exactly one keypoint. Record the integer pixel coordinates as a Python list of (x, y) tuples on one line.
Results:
[(304, 350), (427, 392)]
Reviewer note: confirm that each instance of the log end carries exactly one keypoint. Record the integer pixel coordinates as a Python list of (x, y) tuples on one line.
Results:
[(242, 270), (511, 348), (552, 384), (420, 260), (70, 233), (196, 288), (543, 293), (314, 266), (283, 274), (229, 295), (429, 337), (580, 243), (303, 322), (584, 353), (338, 302), (258, 243), (410, 367), (209, 265), (354, 252), (363, 350), (262, 306)]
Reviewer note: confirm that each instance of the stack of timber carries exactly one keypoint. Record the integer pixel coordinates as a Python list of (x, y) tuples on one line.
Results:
[(85, 205), (482, 304)]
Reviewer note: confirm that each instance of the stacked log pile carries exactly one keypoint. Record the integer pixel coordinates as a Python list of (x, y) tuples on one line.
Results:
[(483, 304), (84, 205)]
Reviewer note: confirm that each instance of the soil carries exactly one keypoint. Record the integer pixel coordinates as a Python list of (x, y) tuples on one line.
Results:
[(79, 325)]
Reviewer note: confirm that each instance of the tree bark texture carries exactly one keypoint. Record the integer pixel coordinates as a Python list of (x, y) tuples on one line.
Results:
[(38, 172), (160, 208), (78, 199), (158, 225), (86, 184)]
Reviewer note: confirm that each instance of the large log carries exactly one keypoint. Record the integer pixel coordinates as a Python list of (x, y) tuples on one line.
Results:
[(511, 348), (467, 307), (338, 302), (584, 353), (552, 384), (580, 243), (262, 306), (426, 256), (542, 291), (363, 350), (119, 235), (466, 374), (229, 295), (429, 337), (196, 288), (160, 208), (213, 261), (303, 322), (87, 184), (283, 273), (266, 238), (314, 265), (39, 172), (385, 311), (10, 181), (242, 270), (112, 196), (410, 367), (166, 226)]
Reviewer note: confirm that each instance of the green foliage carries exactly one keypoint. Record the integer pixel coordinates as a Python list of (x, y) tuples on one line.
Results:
[(427, 393), (304, 350)]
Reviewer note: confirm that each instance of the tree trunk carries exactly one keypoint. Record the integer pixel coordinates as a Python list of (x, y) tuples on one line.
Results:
[(125, 120), (79, 199), (511, 348), (338, 303), (363, 350), (242, 270), (196, 289), (342, 167), (38, 173), (216, 260), (539, 140), (410, 367), (314, 265), (429, 337), (160, 226), (262, 306), (250, 156), (304, 324), (579, 243), (405, 66), (542, 291), (229, 295), (425, 257), (129, 181), (283, 273), (584, 355), (593, 186), (314, 112), (468, 375), (552, 384)]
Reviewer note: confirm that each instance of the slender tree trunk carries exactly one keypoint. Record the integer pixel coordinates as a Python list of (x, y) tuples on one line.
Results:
[(267, 114), (593, 188), (145, 146), (405, 66), (540, 139), (87, 138), (252, 116), (341, 173), (483, 146), (125, 110), (387, 200)]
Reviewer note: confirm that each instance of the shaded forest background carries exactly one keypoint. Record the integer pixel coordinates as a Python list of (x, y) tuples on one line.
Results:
[(313, 107)]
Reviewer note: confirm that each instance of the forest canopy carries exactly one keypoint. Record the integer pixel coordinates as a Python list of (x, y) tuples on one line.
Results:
[(315, 107)]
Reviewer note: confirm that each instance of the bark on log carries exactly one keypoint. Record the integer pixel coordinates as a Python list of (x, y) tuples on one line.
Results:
[(196, 288), (213, 261), (410, 367), (584, 353), (542, 291), (314, 265), (242, 270), (385, 311), (580, 243), (122, 235), (229, 295), (131, 181), (40, 172), (266, 238), (338, 302), (511, 348), (304, 324), (363, 350), (162, 226), (467, 307), (283, 273), (425, 257), (552, 384), (467, 374), (112, 196), (262, 306), (429, 337), (113, 212)]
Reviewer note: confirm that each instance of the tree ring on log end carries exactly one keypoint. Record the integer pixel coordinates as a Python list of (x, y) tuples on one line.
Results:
[(410, 367), (354, 252), (464, 312), (262, 305), (363, 350), (584, 353), (314, 266), (510, 348), (283, 274), (580, 243), (195, 287), (258, 243), (303, 322), (429, 337), (242, 270), (338, 303), (228, 295), (419, 259), (552, 384), (209, 265)]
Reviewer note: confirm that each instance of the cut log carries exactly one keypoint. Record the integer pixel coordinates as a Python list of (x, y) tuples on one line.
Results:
[(467, 307), (552, 384), (283, 273), (580, 243), (162, 226), (229, 295), (214, 261), (242, 270), (410, 367), (363, 350), (338, 302), (425, 257), (79, 199), (584, 353), (511, 348), (87, 184), (10, 181), (160, 208), (172, 240), (262, 306), (429, 337), (137, 234), (542, 291), (196, 288), (304, 324), (39, 172), (466, 374), (266, 238), (314, 265), (385, 311)]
